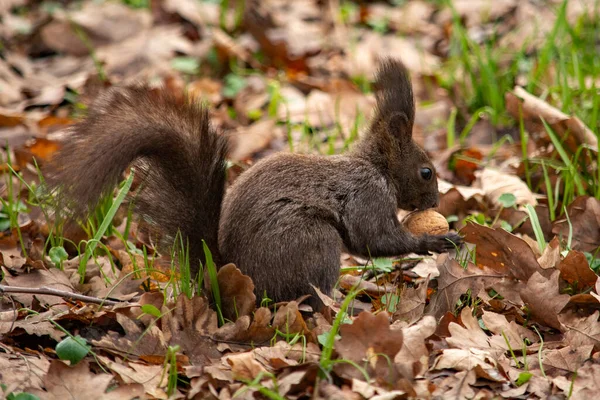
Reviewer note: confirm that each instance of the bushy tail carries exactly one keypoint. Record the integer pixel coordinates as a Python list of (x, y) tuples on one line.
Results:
[(179, 156)]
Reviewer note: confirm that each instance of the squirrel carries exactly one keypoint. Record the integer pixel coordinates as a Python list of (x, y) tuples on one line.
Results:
[(285, 221)]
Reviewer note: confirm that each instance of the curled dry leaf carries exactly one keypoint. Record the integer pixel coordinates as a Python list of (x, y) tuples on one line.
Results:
[(521, 104), (244, 366), (237, 292), (495, 183), (543, 299)]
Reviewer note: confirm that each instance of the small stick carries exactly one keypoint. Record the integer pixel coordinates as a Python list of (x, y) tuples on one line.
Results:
[(59, 293)]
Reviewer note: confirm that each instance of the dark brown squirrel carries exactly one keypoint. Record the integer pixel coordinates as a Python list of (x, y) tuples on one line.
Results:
[(286, 220)]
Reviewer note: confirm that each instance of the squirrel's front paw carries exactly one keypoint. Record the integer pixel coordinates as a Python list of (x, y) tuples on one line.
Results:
[(440, 243)]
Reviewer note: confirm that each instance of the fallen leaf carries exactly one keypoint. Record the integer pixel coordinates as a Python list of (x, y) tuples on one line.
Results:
[(365, 341), (62, 382), (574, 268), (502, 251), (581, 331), (544, 300), (237, 292), (568, 358), (454, 281)]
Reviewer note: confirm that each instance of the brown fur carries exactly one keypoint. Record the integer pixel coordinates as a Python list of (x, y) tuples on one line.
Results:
[(286, 220)]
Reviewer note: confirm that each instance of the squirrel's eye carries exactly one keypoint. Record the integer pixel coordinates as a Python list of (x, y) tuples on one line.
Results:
[(426, 173)]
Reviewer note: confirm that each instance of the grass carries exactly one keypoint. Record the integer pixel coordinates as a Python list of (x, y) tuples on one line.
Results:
[(563, 72)]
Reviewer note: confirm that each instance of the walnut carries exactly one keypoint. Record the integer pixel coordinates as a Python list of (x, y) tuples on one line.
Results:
[(427, 221)]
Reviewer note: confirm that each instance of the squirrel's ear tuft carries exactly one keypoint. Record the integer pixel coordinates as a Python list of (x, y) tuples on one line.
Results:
[(395, 103)]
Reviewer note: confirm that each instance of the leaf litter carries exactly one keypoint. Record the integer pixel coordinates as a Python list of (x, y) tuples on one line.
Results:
[(503, 316)]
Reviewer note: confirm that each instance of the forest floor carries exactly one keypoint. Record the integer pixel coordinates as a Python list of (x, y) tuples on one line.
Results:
[(508, 107)]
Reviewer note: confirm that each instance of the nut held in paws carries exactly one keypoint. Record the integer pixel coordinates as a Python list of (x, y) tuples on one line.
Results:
[(427, 221)]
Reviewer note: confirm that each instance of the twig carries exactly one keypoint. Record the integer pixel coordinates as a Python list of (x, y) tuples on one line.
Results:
[(59, 293)]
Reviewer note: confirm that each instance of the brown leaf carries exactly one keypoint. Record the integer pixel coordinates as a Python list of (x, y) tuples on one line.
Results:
[(191, 324), (471, 336), (64, 382), (152, 378), (289, 320), (544, 300), (36, 278), (586, 384), (522, 104), (576, 270), (457, 386), (584, 216), (412, 303), (502, 251), (237, 292), (514, 333), (366, 339), (21, 371), (495, 183), (244, 366), (568, 358), (454, 281), (413, 358), (251, 139), (581, 331), (39, 324)]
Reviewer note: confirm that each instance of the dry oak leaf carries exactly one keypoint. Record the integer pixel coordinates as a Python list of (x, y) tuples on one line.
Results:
[(544, 300), (365, 341), (413, 358), (191, 323), (288, 319), (568, 358), (20, 371), (495, 183), (581, 331), (454, 281), (244, 366), (481, 361), (457, 386), (78, 382), (584, 219), (237, 292), (507, 331), (152, 378), (586, 385), (502, 251), (574, 268), (412, 303), (258, 331), (471, 336)]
